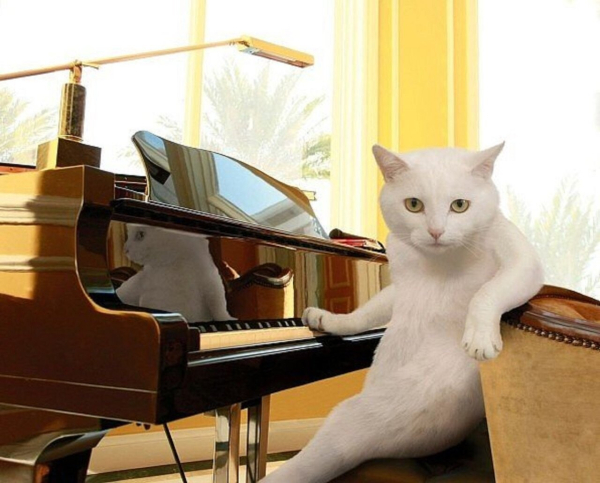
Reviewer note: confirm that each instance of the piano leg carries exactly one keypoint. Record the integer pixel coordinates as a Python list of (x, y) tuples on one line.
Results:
[(258, 439), (45, 447), (69, 468), (226, 462), (49, 458)]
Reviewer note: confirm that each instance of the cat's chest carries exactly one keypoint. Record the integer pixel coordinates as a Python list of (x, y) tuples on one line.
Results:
[(445, 287), (165, 279)]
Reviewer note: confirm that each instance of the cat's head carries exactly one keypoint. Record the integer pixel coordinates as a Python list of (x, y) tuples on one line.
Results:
[(440, 198), (142, 244), (161, 246)]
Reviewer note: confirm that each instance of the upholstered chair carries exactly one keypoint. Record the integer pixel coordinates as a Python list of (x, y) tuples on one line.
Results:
[(542, 394)]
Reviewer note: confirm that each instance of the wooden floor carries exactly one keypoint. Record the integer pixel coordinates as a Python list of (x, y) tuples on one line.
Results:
[(202, 476), (199, 476)]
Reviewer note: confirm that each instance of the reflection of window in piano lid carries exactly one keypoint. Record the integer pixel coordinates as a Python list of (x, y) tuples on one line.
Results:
[(242, 192), (369, 279), (164, 192), (310, 274), (320, 199), (196, 183), (285, 215)]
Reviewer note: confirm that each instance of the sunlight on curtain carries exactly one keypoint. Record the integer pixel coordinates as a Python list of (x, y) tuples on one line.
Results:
[(540, 91), (355, 128)]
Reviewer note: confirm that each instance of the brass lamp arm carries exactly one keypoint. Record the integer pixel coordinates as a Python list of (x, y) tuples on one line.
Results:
[(245, 43), (72, 107)]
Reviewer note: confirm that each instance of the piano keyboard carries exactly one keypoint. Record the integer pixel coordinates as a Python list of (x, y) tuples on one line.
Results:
[(233, 333)]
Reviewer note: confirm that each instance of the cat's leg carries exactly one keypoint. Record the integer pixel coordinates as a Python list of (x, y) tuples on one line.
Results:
[(376, 312), (347, 438), (217, 303), (519, 278), (406, 417)]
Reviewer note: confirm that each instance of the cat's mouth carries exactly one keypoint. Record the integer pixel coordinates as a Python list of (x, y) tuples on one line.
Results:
[(437, 246)]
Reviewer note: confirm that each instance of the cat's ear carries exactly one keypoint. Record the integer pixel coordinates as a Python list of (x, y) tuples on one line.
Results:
[(485, 161), (389, 163)]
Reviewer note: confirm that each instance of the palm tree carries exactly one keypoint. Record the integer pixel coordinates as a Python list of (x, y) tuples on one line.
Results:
[(21, 131), (566, 235), (263, 123), (260, 122), (317, 157)]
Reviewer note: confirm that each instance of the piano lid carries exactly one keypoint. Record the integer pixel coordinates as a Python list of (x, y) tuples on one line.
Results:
[(214, 183)]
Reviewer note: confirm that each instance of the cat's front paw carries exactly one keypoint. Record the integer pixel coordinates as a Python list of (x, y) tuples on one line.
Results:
[(325, 321), (482, 343), (315, 318)]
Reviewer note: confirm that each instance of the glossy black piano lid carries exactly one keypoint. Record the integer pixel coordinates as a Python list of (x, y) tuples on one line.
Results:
[(214, 183)]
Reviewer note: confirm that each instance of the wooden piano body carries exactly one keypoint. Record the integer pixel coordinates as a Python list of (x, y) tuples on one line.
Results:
[(76, 361)]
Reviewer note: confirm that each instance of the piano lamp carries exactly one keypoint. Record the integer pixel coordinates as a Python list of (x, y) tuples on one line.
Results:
[(69, 150)]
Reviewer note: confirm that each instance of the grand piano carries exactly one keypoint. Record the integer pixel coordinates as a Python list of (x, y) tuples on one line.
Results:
[(83, 351)]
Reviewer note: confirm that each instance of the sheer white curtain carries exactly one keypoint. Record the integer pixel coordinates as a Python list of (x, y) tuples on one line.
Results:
[(540, 91)]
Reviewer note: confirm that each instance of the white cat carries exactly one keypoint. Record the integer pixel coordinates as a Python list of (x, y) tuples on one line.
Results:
[(457, 264), (178, 274)]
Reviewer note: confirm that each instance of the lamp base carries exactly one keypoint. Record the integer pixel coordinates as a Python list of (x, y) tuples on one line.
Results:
[(62, 153)]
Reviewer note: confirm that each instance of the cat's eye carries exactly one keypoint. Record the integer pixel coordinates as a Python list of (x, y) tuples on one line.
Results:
[(459, 206), (414, 205), (140, 235)]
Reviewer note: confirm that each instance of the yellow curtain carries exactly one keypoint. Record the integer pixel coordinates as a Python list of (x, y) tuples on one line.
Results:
[(405, 77), (428, 84)]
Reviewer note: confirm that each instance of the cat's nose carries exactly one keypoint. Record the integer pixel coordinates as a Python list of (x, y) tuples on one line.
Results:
[(435, 233)]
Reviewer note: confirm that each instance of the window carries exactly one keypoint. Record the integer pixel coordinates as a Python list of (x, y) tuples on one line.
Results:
[(271, 115), (540, 91), (268, 114), (121, 98)]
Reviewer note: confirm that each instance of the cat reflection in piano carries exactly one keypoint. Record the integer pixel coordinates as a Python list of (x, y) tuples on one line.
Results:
[(457, 264), (178, 274)]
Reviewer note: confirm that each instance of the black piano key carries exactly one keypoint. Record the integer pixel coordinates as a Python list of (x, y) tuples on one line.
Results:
[(233, 326)]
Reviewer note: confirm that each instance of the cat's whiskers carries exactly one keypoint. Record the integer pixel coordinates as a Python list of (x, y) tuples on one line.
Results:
[(473, 247), (405, 238)]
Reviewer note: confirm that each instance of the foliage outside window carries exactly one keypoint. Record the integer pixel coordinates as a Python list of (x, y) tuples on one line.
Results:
[(272, 116), (540, 91)]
